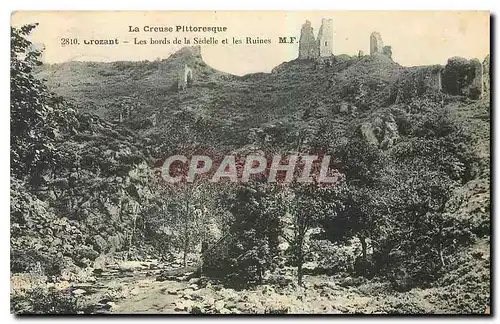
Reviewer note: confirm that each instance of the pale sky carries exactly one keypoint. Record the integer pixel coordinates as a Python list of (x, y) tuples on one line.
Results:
[(416, 37)]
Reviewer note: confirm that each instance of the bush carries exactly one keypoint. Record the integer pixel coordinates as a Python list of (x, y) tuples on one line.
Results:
[(252, 248), (23, 260), (43, 301)]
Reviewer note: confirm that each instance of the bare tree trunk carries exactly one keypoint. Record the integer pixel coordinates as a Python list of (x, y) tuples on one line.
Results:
[(186, 248), (440, 247), (300, 262), (131, 235), (440, 254), (300, 274), (186, 230)]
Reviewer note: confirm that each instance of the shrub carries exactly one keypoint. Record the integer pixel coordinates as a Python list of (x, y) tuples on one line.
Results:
[(43, 301)]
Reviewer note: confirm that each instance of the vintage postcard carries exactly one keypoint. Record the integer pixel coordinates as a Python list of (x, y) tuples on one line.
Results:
[(246, 162)]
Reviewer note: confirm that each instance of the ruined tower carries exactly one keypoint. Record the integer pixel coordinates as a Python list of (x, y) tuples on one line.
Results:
[(325, 38), (376, 44), (308, 47)]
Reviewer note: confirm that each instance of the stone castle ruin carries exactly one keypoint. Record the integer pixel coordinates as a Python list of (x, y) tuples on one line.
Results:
[(459, 77), (309, 47), (185, 78), (433, 79), (307, 43), (325, 38), (377, 45)]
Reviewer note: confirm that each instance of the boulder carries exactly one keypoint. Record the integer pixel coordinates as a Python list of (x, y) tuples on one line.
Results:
[(184, 305), (368, 134), (463, 77), (78, 292), (382, 131), (196, 309), (115, 242), (62, 285), (310, 265), (219, 305), (194, 280), (99, 243), (130, 266)]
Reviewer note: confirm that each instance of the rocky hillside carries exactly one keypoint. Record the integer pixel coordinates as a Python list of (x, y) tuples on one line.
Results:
[(345, 90)]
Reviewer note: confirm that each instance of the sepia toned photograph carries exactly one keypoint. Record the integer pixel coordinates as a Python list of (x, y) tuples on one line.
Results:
[(250, 162)]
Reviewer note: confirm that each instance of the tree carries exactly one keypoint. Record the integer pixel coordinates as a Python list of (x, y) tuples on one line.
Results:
[(31, 123), (360, 215), (361, 199), (306, 206), (424, 230), (441, 142), (252, 245)]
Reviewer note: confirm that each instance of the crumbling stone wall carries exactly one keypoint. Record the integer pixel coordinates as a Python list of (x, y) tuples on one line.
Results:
[(433, 77), (376, 44), (416, 81), (387, 51), (325, 38), (185, 78), (308, 47), (463, 77)]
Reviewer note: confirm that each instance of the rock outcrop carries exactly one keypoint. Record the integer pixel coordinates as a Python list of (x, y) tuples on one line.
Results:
[(382, 131), (463, 77), (486, 74)]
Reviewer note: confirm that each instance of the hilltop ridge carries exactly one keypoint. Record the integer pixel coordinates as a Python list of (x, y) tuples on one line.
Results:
[(144, 94)]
